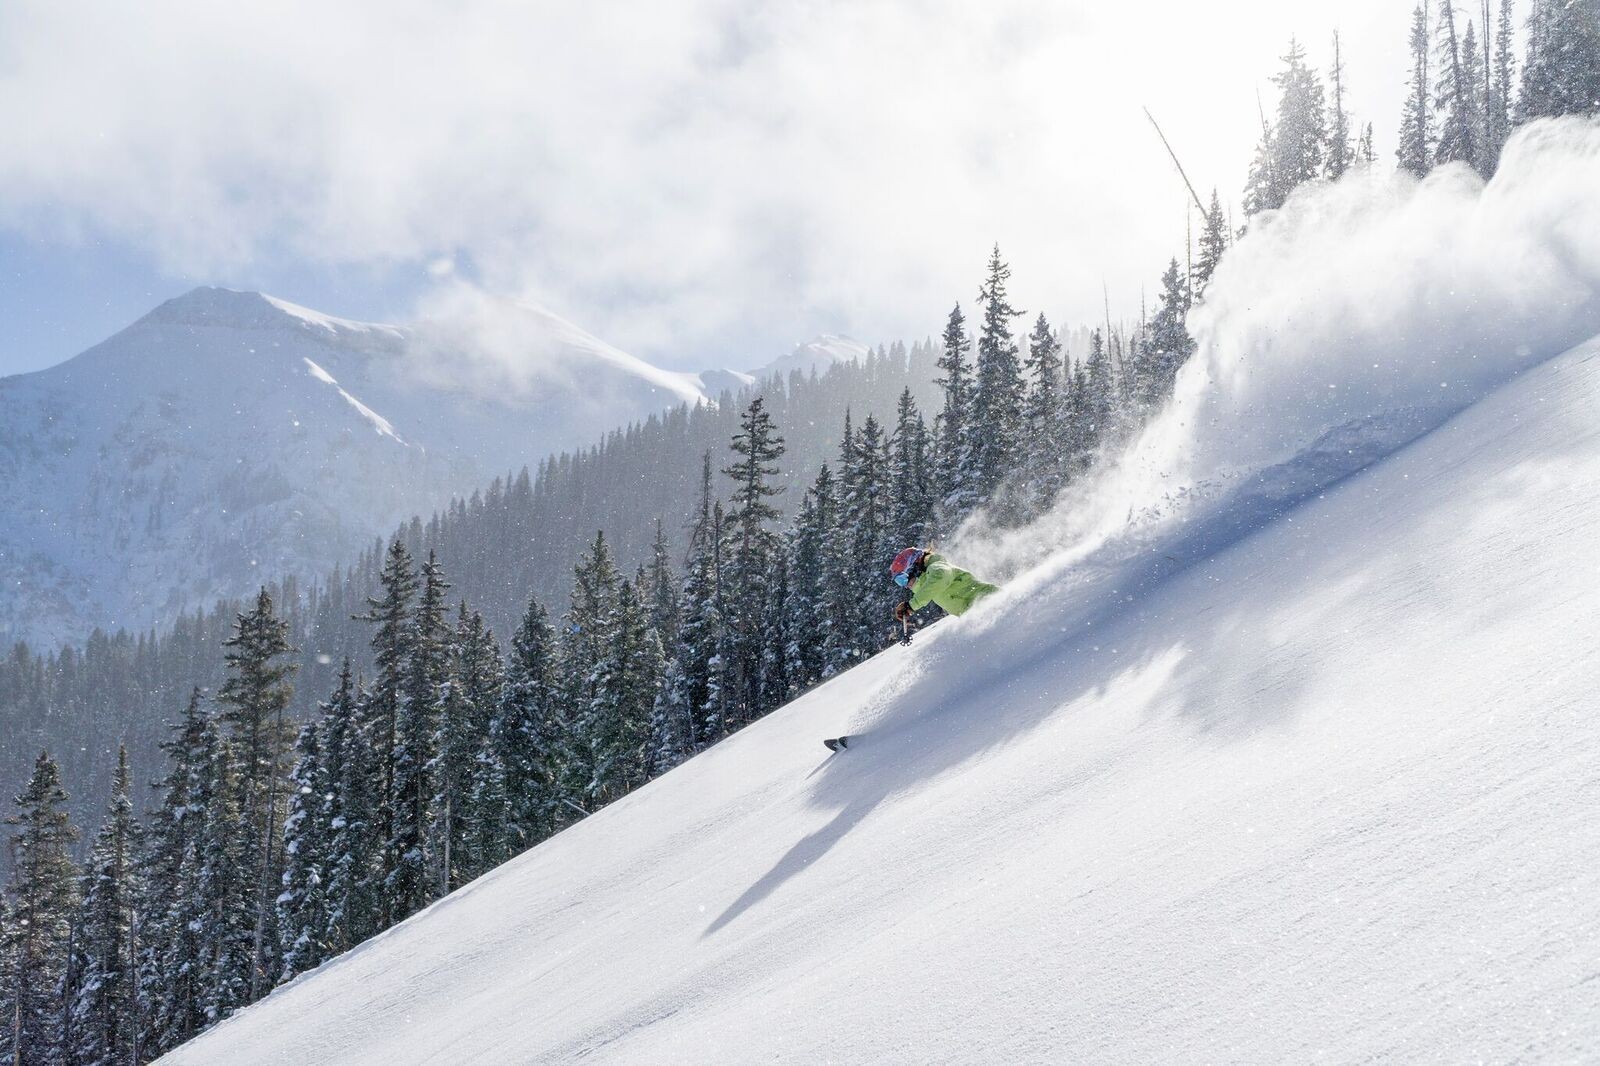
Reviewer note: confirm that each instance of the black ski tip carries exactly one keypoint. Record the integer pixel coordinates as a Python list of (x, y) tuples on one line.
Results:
[(837, 743)]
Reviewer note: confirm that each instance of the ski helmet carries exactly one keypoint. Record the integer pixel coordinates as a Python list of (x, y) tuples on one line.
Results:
[(902, 562)]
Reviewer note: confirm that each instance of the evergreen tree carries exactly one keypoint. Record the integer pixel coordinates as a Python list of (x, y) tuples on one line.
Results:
[(687, 693), (951, 427), (354, 763), (255, 699), (1454, 101), (1168, 344), (615, 726), (810, 547), (913, 494), (468, 702), (217, 894), (1213, 242), (752, 556), (106, 1014), (995, 429), (408, 887), (1561, 66), (1416, 150), (303, 912), (1294, 147), (1099, 397), (1341, 151), (661, 591), (1498, 110), (41, 897), (590, 633), (171, 981), (1043, 418), (527, 753), (865, 536), (391, 644)]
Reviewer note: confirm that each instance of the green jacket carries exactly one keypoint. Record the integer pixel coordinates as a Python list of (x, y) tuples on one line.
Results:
[(949, 586)]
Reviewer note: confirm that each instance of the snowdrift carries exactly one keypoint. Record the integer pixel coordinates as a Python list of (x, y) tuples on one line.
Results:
[(1286, 750)]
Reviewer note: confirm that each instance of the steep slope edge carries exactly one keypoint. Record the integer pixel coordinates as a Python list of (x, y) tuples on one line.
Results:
[(1322, 786)]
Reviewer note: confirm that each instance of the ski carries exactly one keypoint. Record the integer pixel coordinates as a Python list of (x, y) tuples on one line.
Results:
[(836, 743)]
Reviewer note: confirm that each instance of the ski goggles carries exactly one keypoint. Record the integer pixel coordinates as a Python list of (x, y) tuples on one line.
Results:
[(903, 578)]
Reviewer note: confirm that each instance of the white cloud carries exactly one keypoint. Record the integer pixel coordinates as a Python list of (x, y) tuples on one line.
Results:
[(677, 177)]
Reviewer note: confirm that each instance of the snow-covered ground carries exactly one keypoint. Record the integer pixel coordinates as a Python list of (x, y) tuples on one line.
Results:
[(1294, 760), (1325, 789)]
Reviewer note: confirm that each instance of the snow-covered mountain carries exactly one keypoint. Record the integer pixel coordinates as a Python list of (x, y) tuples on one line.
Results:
[(1310, 778), (228, 436)]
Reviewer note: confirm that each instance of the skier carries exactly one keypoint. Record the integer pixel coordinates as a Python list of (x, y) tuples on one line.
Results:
[(933, 580)]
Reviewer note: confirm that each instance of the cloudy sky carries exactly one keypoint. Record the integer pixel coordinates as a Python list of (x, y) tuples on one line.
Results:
[(701, 182)]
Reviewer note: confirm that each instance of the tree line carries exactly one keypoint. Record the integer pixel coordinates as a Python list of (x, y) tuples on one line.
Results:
[(273, 847)]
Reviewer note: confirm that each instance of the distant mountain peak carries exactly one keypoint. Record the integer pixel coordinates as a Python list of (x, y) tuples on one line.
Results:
[(211, 305)]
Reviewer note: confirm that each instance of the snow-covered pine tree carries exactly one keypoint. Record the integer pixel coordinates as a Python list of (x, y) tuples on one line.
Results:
[(171, 983), (953, 462), (1561, 65), (41, 897), (865, 538), (106, 1014), (409, 886), (350, 734), (391, 645), (255, 700), (1099, 397), (1341, 150), (468, 700), (615, 727), (995, 430), (588, 638), (1455, 102), (686, 693), (809, 564), (751, 556), (303, 902), (1167, 341), (661, 592), (219, 895), (1043, 419), (1213, 242), (526, 747), (1498, 109), (912, 492), (1416, 149)]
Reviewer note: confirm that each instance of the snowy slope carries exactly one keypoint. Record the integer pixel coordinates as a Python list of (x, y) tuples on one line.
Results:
[(1282, 745), (230, 437), (1322, 783)]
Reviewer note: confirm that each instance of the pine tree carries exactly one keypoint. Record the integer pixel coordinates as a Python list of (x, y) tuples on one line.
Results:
[(995, 429), (615, 726), (1168, 344), (354, 765), (391, 644), (1099, 397), (256, 699), (41, 897), (524, 733), (1561, 67), (1294, 146), (217, 894), (752, 556), (1366, 155), (1043, 418), (662, 591), (468, 702), (1341, 152), (913, 495), (171, 981), (303, 912), (1416, 150), (1454, 102), (865, 538), (408, 887), (1213, 242), (808, 556), (106, 1012), (951, 427), (1498, 110), (590, 633), (687, 692)]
